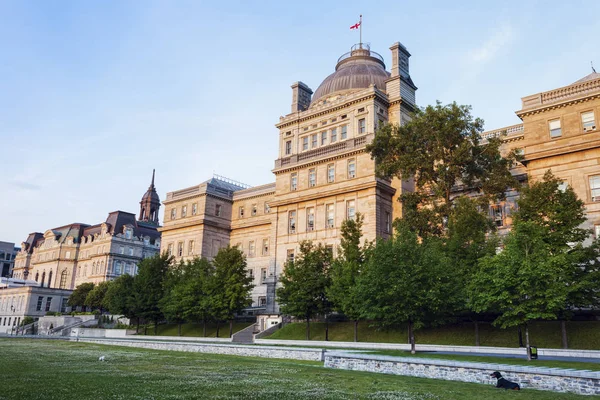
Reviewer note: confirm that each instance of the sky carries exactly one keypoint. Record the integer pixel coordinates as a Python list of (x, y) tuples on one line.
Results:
[(95, 94)]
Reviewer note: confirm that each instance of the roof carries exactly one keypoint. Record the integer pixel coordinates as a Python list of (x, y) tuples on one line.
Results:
[(590, 77), (358, 69)]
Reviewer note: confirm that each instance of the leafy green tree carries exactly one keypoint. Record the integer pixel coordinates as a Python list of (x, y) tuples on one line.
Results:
[(176, 298), (305, 281), (199, 291), (345, 270), (232, 284), (406, 280), (95, 298), (440, 148), (148, 287), (79, 295), (119, 298)]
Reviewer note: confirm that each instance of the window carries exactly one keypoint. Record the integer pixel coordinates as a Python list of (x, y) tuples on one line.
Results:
[(251, 273), (241, 211), (351, 168), (180, 249), (595, 187), (190, 247), (388, 222), (361, 125), (290, 255), (305, 143), (312, 177), (310, 219), (39, 303), (563, 186), (588, 121), (121, 250), (333, 135), (344, 132), (315, 140), (170, 249), (267, 208), (329, 249), (330, 216), (128, 233), (218, 210), (350, 209), (288, 147), (265, 247), (48, 303), (251, 249), (63, 305), (292, 222), (194, 208), (323, 138), (117, 267), (262, 301), (130, 251), (331, 173), (263, 274), (173, 213), (63, 280), (597, 231), (127, 269), (254, 209), (294, 181), (497, 214), (555, 130), (183, 211)]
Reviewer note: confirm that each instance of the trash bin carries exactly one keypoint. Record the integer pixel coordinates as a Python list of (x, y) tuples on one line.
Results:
[(533, 352)]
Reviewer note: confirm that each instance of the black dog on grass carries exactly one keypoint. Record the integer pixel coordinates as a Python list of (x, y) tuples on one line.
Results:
[(503, 383)]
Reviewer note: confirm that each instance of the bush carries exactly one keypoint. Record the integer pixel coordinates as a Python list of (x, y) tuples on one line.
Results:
[(27, 320)]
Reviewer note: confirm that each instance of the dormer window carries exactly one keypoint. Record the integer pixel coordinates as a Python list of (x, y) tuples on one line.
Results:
[(128, 233)]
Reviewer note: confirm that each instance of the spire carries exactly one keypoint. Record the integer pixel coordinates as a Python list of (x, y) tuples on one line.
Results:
[(150, 204), (593, 69), (152, 184)]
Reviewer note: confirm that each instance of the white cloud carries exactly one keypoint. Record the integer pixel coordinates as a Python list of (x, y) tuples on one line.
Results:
[(493, 45)]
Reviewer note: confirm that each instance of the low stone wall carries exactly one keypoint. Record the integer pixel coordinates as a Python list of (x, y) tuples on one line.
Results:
[(102, 333), (131, 335), (554, 379), (214, 348)]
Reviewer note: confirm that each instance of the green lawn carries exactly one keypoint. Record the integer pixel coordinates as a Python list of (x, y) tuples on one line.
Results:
[(581, 335), (57, 370), (196, 330)]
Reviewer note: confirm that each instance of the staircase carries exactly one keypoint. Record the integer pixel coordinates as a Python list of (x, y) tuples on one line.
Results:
[(246, 335)]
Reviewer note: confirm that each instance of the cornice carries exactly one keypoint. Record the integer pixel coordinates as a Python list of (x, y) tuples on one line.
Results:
[(188, 224), (553, 106), (237, 224), (313, 195), (567, 149), (243, 198), (309, 163)]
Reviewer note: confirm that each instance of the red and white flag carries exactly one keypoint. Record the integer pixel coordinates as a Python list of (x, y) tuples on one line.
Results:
[(355, 26)]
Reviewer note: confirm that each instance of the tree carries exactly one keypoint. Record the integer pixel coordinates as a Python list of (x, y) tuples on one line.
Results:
[(305, 280), (119, 298), (148, 287), (406, 280), (232, 284), (79, 295), (345, 270), (440, 148), (176, 298), (199, 290), (95, 298)]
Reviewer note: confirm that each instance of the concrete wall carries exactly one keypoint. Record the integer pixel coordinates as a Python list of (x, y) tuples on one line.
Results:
[(557, 380)]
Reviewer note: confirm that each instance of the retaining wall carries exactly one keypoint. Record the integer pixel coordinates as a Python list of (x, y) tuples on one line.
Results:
[(554, 379), (215, 348)]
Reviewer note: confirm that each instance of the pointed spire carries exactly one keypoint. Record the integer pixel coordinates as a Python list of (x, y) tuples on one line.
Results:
[(593, 69), (152, 183)]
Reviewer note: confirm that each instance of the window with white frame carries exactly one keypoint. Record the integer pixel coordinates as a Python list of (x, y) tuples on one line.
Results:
[(130, 251), (312, 177), (294, 181), (173, 213), (597, 231), (251, 249), (330, 211), (595, 187), (265, 247), (331, 173), (288, 147), (170, 249), (350, 209), (497, 214), (555, 129), (323, 138), (180, 249), (344, 132), (194, 208), (121, 250), (362, 127), (315, 140), (563, 186), (588, 121), (292, 221), (305, 143), (183, 211), (267, 208), (310, 219), (351, 168), (254, 209), (218, 208), (333, 135)]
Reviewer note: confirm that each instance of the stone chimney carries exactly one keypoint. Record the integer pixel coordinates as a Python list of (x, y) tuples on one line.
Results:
[(301, 96)]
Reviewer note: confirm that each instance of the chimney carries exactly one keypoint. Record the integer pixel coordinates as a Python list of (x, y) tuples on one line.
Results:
[(301, 96), (399, 60)]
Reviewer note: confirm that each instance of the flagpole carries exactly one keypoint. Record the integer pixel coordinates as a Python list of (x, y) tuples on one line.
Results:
[(360, 26)]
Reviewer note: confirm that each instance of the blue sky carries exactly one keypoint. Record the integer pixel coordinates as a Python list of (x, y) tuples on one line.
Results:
[(94, 94)]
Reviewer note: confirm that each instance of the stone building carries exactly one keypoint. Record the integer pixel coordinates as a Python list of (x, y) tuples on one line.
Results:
[(323, 174), (8, 252)]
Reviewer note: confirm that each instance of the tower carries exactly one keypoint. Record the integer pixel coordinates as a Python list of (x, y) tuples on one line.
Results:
[(150, 204)]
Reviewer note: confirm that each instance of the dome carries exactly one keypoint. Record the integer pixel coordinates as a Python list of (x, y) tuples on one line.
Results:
[(355, 70)]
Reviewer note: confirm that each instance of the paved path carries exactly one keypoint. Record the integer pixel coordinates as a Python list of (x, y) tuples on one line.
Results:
[(553, 358)]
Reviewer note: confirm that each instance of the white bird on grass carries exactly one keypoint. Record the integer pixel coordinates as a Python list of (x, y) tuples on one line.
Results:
[(101, 358)]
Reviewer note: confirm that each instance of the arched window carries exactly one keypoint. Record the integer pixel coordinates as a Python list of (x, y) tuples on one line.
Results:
[(43, 278), (37, 276), (63, 279), (50, 279)]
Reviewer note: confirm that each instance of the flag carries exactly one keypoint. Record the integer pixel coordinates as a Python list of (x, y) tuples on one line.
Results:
[(355, 26)]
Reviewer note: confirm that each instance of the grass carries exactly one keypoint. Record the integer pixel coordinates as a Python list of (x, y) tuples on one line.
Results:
[(581, 335), (490, 359), (57, 370), (195, 330)]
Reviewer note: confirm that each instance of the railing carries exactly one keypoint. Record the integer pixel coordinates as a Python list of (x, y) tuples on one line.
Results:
[(322, 151), (361, 49), (509, 131), (564, 93)]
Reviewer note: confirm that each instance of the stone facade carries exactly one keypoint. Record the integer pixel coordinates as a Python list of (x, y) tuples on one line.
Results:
[(8, 252), (553, 379)]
